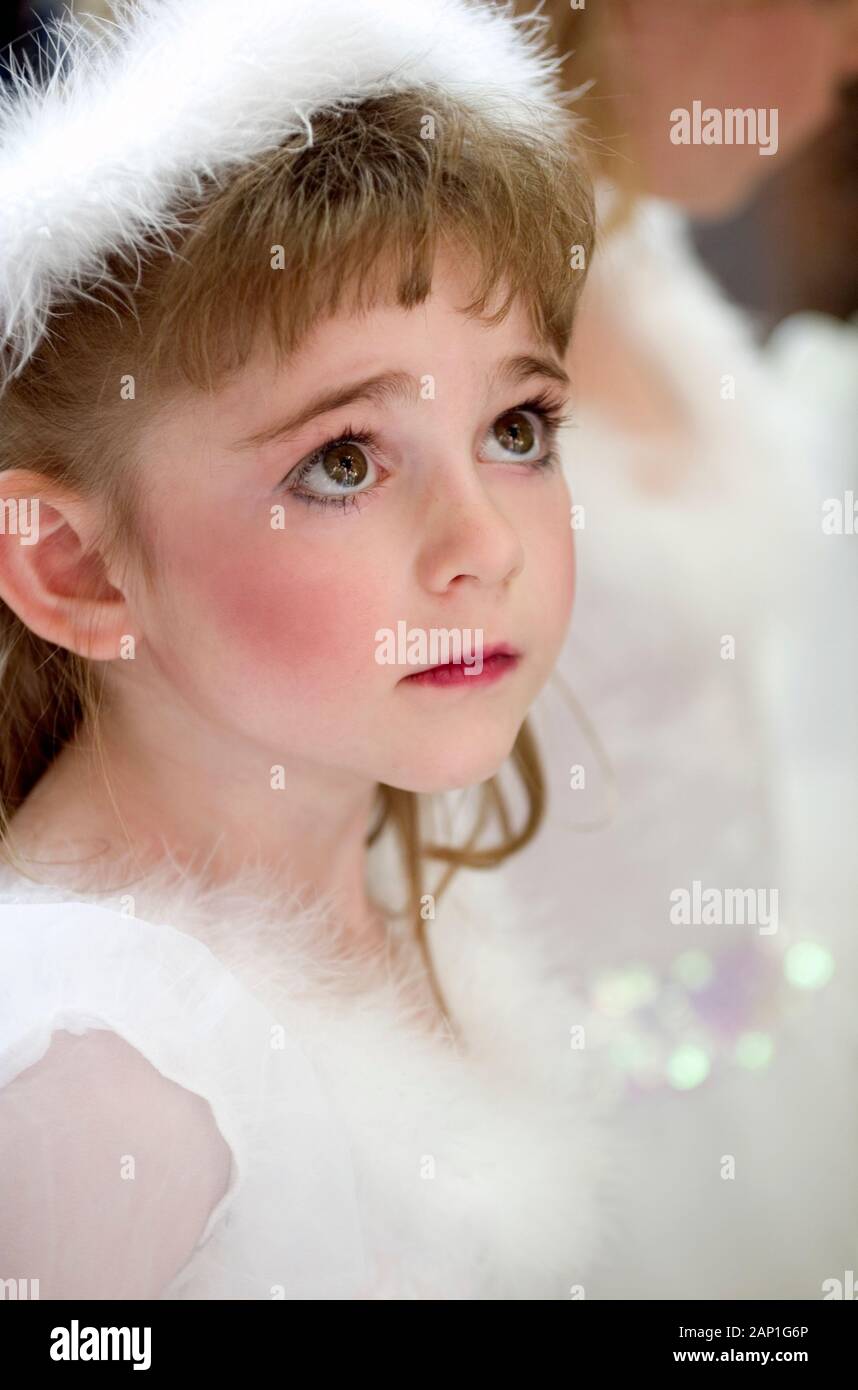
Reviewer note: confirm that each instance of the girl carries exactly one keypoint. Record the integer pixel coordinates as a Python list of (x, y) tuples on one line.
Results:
[(285, 301)]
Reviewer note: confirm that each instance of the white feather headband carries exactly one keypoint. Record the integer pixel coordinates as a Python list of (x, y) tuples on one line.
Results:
[(140, 110)]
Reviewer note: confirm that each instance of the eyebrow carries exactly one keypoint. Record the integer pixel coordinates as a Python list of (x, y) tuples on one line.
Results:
[(388, 386)]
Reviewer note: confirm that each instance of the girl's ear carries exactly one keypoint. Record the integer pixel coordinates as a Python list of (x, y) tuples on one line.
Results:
[(51, 573)]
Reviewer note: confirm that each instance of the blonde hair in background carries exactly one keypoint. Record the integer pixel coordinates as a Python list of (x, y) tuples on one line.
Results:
[(179, 322)]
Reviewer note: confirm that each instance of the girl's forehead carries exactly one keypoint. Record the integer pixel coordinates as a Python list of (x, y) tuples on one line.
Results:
[(402, 354), (389, 358), (390, 338)]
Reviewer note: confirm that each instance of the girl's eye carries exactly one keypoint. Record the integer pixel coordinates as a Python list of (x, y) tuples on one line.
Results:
[(525, 433), (341, 465), (516, 433), (334, 472)]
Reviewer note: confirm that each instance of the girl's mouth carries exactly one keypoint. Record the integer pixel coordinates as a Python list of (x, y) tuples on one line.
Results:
[(496, 662)]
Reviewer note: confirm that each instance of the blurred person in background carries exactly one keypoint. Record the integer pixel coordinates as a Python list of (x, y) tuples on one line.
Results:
[(791, 250), (713, 665)]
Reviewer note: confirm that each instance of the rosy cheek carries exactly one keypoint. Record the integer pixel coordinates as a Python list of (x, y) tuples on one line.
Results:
[(281, 610), (282, 619)]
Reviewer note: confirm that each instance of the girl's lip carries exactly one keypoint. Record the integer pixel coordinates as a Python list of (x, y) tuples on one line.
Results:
[(497, 659), (494, 649)]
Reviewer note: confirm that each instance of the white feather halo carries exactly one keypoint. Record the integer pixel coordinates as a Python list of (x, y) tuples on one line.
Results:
[(141, 109)]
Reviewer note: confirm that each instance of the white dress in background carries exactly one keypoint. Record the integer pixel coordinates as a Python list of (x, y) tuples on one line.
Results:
[(713, 648)]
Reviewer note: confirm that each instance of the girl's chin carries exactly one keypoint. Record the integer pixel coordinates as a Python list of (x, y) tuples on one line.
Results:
[(451, 770)]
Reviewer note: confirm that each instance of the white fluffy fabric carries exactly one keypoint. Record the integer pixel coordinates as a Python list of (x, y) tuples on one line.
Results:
[(369, 1158), (94, 160)]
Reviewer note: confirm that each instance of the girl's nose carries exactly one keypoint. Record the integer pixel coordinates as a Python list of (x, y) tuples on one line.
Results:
[(464, 534)]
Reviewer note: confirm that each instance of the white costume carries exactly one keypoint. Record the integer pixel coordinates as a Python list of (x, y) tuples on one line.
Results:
[(713, 649), (369, 1159)]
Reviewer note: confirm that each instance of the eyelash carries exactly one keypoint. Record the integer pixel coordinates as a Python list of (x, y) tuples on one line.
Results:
[(548, 408)]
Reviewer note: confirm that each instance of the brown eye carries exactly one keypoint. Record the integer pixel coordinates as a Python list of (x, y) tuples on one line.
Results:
[(514, 432), (345, 464)]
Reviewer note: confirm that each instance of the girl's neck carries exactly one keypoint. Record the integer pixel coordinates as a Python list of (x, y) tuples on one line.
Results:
[(91, 822), (67, 842)]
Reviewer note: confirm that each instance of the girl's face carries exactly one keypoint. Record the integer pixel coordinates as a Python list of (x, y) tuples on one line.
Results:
[(280, 560)]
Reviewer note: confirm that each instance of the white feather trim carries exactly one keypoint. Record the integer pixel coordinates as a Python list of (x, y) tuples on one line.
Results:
[(526, 1191), (138, 111)]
